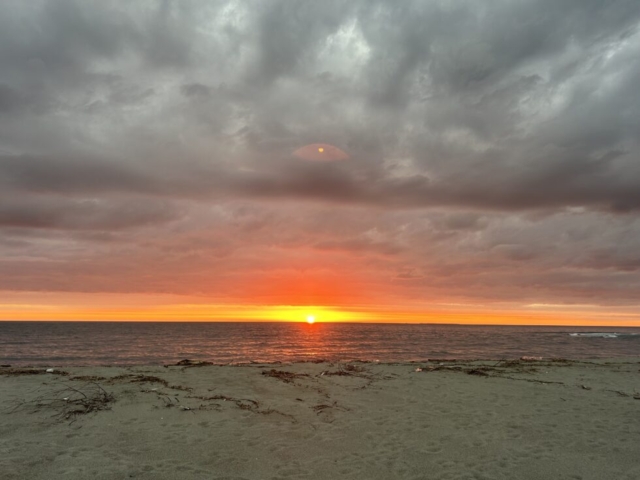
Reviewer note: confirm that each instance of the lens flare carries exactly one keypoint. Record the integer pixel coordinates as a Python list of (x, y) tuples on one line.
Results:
[(320, 152)]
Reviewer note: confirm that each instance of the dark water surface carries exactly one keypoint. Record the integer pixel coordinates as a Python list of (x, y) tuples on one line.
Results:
[(137, 343)]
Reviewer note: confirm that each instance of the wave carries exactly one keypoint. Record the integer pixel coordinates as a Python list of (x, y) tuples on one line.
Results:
[(602, 334)]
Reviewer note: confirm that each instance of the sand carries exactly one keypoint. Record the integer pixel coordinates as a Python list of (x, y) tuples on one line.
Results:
[(456, 420)]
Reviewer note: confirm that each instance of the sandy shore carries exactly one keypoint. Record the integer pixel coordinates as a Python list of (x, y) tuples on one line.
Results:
[(456, 420)]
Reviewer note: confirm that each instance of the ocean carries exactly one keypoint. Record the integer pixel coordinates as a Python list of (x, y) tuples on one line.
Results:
[(154, 343)]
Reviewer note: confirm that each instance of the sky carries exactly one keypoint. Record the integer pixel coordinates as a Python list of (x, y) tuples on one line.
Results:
[(489, 167)]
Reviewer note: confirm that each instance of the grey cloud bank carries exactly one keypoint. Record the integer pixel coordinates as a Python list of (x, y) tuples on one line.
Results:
[(494, 147)]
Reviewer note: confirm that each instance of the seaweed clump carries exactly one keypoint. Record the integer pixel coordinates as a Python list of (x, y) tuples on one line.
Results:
[(286, 377)]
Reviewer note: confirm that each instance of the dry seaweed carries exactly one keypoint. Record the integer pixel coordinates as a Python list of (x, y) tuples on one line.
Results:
[(346, 371), (498, 369), (14, 372), (619, 392), (321, 407), (477, 371), (286, 377), (148, 379), (69, 402), (241, 403), (88, 378), (506, 368), (326, 406), (190, 363)]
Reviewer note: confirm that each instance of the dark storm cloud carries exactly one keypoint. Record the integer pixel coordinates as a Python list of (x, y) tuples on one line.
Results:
[(195, 90), (62, 37), (10, 99), (481, 137), (289, 34), (333, 183), (65, 214), (515, 105), (68, 175)]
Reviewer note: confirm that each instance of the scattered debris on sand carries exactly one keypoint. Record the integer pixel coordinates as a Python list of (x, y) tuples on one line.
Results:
[(132, 378), (190, 363), (68, 402), (9, 372), (286, 377)]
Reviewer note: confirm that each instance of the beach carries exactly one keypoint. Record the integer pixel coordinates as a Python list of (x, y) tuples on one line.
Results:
[(520, 419)]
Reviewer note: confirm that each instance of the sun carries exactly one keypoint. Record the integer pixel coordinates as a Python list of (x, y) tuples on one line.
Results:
[(311, 319)]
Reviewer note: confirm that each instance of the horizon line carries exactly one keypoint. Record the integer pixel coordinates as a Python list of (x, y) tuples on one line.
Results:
[(328, 323)]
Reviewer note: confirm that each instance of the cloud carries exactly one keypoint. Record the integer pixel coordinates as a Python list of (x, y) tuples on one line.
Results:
[(495, 141), (95, 214)]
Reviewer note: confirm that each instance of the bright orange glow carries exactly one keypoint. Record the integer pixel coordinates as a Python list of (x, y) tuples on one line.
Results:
[(304, 290), (311, 319), (321, 149), (138, 307)]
